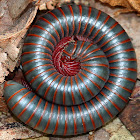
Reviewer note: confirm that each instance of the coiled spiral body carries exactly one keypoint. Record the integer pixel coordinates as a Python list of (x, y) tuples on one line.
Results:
[(81, 85)]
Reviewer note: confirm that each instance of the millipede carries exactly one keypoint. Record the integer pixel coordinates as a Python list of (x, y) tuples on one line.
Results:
[(82, 68)]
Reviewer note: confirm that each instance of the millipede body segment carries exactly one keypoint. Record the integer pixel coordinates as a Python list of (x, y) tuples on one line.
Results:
[(82, 67)]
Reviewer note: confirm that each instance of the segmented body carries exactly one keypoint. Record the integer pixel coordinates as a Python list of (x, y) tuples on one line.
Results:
[(81, 84)]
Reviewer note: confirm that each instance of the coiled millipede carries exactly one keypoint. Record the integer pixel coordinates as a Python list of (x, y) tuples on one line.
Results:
[(82, 65)]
